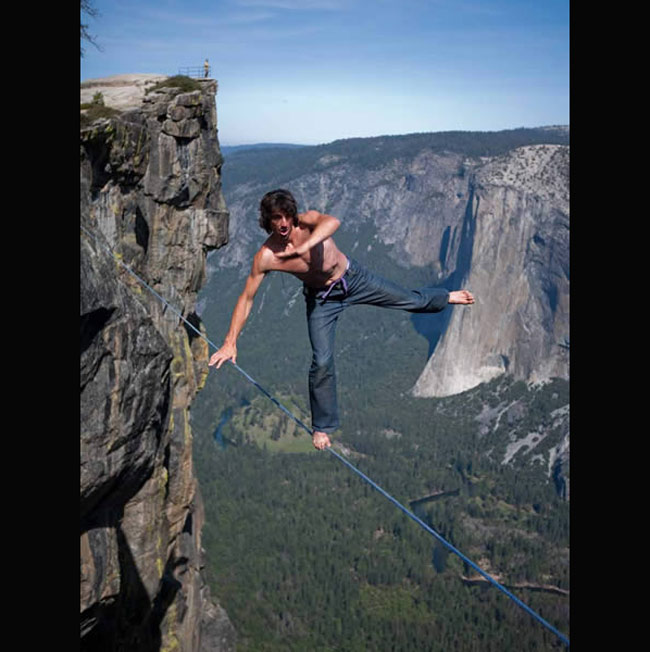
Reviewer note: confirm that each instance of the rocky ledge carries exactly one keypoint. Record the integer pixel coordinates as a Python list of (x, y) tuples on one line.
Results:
[(119, 91)]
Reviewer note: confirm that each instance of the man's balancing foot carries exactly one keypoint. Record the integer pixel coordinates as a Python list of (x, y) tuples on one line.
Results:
[(320, 440)]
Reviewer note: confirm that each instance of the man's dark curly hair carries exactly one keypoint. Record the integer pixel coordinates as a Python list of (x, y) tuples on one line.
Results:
[(277, 201)]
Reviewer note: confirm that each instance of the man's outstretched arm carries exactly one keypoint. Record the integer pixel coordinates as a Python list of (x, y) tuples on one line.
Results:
[(228, 350)]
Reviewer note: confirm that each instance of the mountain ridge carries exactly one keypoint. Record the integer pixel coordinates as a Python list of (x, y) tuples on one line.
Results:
[(271, 165)]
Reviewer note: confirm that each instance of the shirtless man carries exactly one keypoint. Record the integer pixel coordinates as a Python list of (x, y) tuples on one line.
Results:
[(302, 245)]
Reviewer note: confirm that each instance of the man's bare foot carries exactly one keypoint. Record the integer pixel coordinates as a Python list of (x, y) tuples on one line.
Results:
[(320, 440), (462, 297)]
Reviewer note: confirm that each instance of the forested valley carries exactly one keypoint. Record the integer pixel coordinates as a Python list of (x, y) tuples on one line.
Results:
[(305, 556)]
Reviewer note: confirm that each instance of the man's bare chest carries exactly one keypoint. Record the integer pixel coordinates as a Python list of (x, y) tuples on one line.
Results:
[(312, 261)]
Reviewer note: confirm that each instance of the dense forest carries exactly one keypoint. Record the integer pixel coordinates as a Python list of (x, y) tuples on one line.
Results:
[(301, 552), (305, 556)]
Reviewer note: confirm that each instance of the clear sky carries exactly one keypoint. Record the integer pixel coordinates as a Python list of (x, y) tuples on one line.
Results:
[(313, 71)]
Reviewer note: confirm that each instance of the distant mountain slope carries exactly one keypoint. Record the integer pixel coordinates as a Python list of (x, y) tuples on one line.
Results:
[(489, 209)]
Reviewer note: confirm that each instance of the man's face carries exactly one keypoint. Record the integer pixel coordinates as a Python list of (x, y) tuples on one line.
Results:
[(281, 225)]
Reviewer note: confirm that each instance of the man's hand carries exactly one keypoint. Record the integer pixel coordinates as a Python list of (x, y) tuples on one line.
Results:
[(287, 254), (291, 252), (461, 296), (226, 352), (320, 440)]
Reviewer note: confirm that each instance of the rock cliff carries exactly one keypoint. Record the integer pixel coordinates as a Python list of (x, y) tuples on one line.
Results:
[(516, 237), (151, 191)]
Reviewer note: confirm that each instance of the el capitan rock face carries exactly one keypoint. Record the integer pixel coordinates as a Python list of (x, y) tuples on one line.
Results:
[(151, 191), (517, 231)]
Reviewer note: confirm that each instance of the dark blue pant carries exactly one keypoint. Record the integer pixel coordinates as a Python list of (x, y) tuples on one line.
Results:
[(363, 287)]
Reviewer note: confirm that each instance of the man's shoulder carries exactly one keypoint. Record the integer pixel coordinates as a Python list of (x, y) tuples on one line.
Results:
[(265, 250), (264, 256), (309, 217)]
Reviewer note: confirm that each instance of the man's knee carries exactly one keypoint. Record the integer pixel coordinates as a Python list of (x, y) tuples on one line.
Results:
[(322, 366)]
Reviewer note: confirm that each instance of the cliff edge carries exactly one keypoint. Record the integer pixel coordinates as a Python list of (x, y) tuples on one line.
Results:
[(151, 191)]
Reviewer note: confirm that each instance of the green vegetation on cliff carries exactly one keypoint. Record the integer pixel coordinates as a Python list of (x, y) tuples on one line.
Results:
[(186, 84), (95, 110)]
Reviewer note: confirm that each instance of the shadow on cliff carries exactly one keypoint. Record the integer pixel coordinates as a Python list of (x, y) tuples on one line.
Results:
[(129, 621), (433, 326)]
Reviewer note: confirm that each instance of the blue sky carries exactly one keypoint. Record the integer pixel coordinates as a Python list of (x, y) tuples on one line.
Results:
[(313, 71)]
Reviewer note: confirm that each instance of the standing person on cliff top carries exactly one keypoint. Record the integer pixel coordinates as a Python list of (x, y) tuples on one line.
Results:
[(302, 245)]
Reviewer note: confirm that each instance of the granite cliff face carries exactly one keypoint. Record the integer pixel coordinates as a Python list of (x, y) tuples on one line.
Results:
[(151, 191), (516, 235)]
